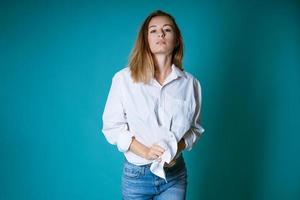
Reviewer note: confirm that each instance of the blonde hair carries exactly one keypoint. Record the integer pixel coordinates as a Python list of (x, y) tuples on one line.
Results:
[(141, 61)]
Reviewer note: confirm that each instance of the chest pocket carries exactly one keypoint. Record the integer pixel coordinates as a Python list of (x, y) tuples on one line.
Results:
[(181, 114)]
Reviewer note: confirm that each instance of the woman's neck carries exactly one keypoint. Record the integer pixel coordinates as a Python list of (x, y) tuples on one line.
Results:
[(162, 67)]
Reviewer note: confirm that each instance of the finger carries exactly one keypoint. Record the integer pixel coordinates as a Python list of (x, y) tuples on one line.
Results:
[(159, 148), (153, 156), (157, 152)]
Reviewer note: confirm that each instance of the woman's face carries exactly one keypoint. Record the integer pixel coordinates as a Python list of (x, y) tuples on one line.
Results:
[(161, 35)]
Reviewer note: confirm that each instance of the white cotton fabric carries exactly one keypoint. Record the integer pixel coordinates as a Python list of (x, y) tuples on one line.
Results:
[(153, 114)]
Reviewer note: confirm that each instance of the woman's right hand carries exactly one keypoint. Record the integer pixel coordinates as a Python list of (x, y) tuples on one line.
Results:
[(154, 152), (149, 153)]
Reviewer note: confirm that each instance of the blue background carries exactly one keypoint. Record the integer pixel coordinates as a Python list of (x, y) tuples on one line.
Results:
[(57, 61)]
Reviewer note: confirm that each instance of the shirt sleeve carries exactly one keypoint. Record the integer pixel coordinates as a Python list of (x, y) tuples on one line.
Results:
[(196, 130), (115, 127)]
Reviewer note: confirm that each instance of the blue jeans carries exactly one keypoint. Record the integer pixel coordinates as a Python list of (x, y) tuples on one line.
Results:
[(139, 183)]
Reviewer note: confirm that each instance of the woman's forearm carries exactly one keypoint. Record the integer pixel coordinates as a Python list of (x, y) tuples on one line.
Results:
[(152, 152), (138, 148)]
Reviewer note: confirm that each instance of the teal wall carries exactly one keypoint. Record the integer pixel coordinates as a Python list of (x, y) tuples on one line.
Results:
[(56, 63)]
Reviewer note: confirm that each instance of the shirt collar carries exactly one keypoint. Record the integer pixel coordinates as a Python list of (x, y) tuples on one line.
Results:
[(178, 72), (175, 73)]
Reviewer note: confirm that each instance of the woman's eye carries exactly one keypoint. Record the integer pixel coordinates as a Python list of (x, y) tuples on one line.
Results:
[(152, 31), (168, 30)]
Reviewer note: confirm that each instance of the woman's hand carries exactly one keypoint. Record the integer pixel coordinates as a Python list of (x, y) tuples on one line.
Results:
[(154, 152), (149, 153), (180, 148)]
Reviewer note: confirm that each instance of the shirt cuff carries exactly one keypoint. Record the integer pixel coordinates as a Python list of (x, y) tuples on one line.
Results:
[(124, 141), (191, 137), (186, 143), (189, 140)]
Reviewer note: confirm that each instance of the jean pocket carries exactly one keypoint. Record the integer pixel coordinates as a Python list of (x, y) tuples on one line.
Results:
[(132, 171)]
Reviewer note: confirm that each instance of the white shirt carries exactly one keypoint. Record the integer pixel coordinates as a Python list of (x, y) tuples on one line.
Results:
[(153, 114)]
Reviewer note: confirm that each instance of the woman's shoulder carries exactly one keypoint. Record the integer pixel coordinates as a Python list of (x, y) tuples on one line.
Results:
[(193, 81), (191, 77), (122, 73)]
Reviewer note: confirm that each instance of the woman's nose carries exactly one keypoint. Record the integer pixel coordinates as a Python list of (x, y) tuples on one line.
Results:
[(161, 33)]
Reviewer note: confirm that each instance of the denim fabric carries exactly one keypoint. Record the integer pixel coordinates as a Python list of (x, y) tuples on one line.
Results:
[(139, 183)]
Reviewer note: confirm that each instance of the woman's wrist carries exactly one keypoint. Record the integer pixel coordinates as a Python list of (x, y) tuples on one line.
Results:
[(181, 145), (145, 152), (138, 148)]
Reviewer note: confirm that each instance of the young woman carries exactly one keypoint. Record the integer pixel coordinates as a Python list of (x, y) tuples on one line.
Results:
[(152, 113)]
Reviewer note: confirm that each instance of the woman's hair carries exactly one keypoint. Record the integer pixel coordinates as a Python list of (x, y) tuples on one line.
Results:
[(141, 61)]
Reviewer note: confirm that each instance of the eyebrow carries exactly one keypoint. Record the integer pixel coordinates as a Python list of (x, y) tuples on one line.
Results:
[(163, 25)]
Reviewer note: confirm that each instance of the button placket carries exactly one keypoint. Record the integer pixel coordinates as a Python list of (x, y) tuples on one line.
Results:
[(160, 106)]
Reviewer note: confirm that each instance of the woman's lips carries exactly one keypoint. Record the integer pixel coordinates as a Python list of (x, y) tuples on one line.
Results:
[(161, 42)]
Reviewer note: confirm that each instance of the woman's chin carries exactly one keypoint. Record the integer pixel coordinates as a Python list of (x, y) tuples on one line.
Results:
[(162, 51)]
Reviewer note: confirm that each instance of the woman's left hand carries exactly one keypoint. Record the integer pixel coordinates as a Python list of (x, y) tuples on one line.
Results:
[(180, 148)]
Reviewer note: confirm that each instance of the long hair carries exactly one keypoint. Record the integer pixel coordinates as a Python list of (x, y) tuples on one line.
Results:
[(141, 61)]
